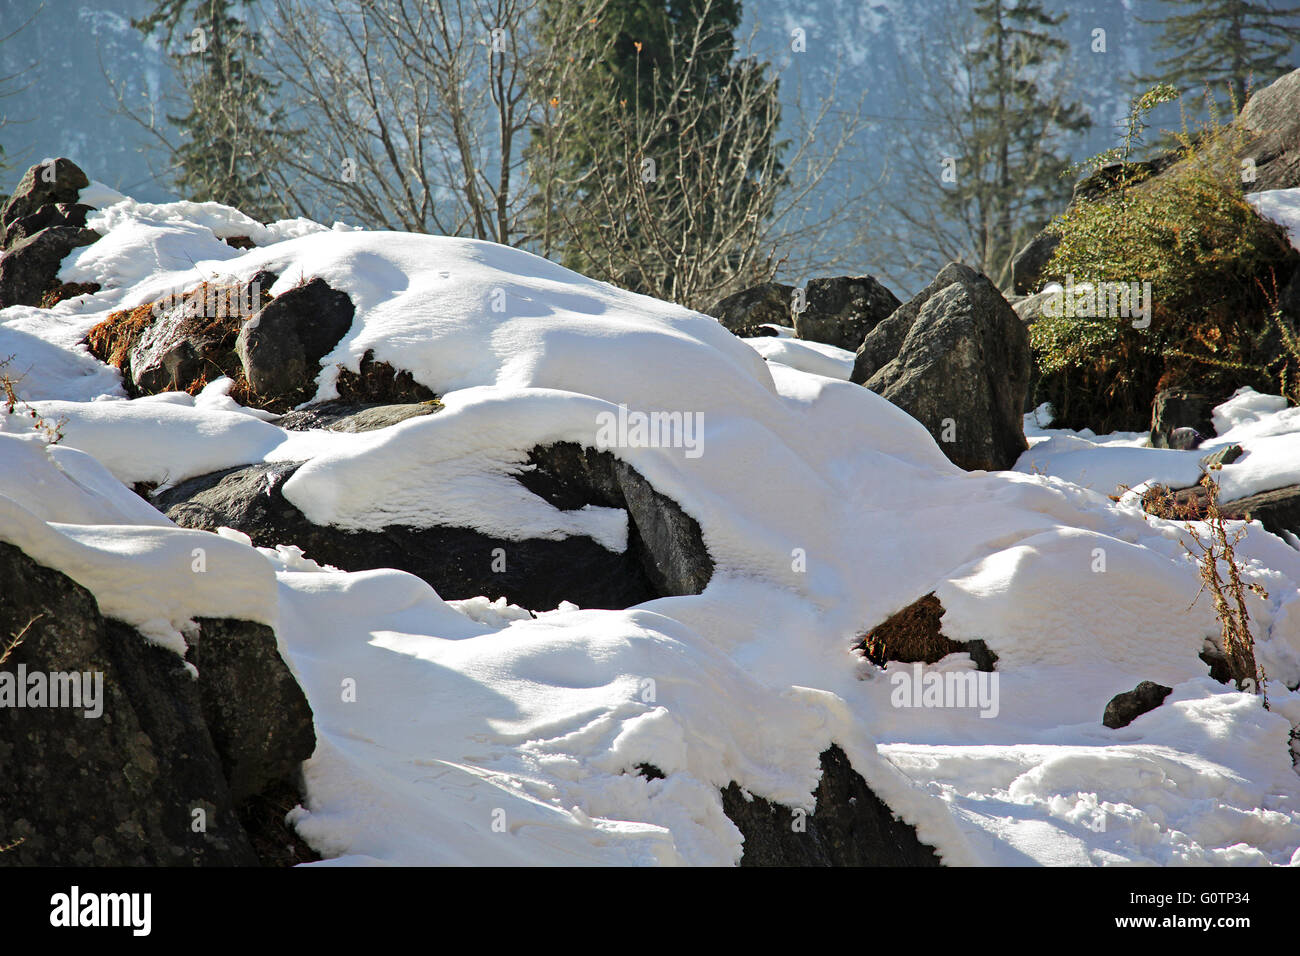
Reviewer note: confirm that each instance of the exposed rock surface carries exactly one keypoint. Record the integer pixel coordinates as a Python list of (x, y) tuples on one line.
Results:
[(956, 358), (281, 346), (841, 311), (665, 553), (746, 311), (1028, 268), (1176, 408), (123, 788), (353, 416), (849, 826), (40, 224), (1127, 707), (1271, 122)]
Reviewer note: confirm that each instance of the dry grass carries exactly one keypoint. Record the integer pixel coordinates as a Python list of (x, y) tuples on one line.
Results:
[(913, 634), (1214, 550)]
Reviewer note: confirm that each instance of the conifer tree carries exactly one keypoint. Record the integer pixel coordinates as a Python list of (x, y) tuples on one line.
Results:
[(1225, 46), (231, 132)]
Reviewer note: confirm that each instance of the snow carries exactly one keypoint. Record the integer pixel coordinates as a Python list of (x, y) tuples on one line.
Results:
[(1282, 206), (816, 358), (480, 732)]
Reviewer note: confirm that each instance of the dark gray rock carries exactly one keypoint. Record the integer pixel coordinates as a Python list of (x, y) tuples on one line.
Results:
[(281, 347), (58, 181), (961, 367), (882, 345), (30, 267), (1027, 268), (51, 214), (841, 311), (765, 304), (258, 716), (665, 553), (1127, 707), (353, 416), (1177, 408), (1277, 510), (849, 826), (120, 789)]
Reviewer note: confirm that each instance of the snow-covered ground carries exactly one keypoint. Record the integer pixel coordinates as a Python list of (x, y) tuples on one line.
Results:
[(466, 732)]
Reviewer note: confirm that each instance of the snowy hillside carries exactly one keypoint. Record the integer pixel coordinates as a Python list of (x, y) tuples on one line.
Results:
[(473, 731)]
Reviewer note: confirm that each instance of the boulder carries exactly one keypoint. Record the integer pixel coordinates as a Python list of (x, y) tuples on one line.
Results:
[(51, 214), (841, 311), (1027, 268), (29, 268), (121, 788), (54, 181), (1181, 419), (849, 826), (765, 304), (1271, 122), (956, 358), (665, 553), (282, 345), (1277, 510), (1127, 707)]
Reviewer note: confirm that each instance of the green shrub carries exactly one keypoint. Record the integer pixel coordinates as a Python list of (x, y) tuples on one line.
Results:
[(1213, 265)]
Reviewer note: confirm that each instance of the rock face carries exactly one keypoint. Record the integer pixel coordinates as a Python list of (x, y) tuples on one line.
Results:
[(1127, 707), (956, 358), (40, 224), (1271, 120), (1176, 410), (193, 340), (850, 825), (665, 553), (746, 311), (1029, 265), (281, 346), (842, 311), (123, 788)]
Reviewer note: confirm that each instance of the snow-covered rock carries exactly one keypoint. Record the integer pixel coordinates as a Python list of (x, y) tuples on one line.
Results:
[(462, 736)]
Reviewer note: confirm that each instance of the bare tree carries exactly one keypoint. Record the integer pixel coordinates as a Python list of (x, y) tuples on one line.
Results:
[(413, 113)]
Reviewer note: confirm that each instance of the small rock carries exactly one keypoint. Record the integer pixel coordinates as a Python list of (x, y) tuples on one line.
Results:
[(29, 269), (1176, 408), (1127, 707)]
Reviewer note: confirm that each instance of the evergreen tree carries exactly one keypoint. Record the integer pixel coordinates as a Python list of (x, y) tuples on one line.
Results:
[(231, 133), (1225, 45), (991, 142), (647, 115), (1018, 179)]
